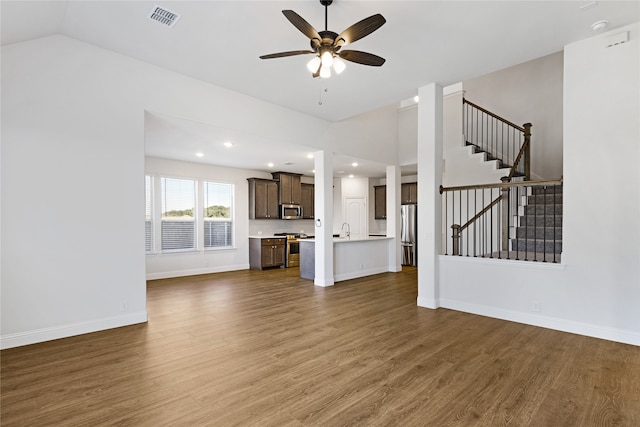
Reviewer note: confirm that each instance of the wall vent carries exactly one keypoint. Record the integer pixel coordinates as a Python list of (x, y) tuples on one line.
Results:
[(617, 39), (163, 16)]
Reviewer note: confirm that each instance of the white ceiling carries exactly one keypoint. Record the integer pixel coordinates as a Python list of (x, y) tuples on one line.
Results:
[(220, 42)]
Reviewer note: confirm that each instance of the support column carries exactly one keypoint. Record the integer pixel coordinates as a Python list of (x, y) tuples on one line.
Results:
[(430, 125), (393, 217), (323, 161)]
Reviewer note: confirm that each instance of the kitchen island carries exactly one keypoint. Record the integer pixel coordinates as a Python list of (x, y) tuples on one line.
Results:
[(352, 257)]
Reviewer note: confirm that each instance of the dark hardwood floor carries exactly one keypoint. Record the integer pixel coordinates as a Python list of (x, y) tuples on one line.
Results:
[(265, 348)]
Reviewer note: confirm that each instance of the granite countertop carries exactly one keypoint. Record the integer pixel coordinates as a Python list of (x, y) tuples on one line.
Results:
[(352, 239)]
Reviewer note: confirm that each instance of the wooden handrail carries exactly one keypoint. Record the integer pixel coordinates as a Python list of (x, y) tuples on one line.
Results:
[(557, 181), (524, 151), (482, 212), (495, 116)]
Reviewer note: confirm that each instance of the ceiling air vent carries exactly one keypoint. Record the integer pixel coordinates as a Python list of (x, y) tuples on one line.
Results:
[(164, 16)]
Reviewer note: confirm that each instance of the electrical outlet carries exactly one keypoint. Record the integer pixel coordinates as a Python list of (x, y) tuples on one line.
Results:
[(535, 306), (124, 306)]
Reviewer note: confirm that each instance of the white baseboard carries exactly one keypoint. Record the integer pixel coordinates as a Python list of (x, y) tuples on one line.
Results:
[(71, 329), (195, 271), (359, 273), (428, 303), (579, 328)]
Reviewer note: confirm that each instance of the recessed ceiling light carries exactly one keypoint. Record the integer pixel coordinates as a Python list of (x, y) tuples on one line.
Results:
[(313, 171), (228, 144), (600, 25), (270, 164), (416, 99), (339, 171), (354, 164), (310, 156), (199, 154), (351, 176)]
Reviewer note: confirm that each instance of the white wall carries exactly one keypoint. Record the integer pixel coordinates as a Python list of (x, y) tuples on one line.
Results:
[(176, 264), (528, 92), (596, 289), (408, 135), (461, 166), (73, 147), (372, 135), (162, 265), (72, 153)]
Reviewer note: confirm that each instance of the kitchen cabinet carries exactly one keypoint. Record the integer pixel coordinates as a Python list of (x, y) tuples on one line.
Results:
[(308, 201), (266, 252), (263, 198), (409, 193), (380, 202), (289, 188)]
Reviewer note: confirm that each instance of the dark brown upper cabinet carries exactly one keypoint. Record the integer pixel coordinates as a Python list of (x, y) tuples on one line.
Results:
[(409, 193), (290, 190), (263, 198)]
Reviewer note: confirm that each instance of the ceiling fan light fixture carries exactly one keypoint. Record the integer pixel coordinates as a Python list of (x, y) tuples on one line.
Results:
[(314, 64), (326, 44), (325, 72), (327, 58), (338, 65)]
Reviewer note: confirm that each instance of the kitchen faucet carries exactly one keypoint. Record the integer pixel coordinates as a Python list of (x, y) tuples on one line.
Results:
[(348, 233)]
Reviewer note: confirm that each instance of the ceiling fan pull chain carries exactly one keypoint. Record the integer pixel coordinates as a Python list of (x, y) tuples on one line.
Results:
[(325, 90)]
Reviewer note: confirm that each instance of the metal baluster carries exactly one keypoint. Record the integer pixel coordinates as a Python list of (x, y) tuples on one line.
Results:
[(459, 215), (555, 196), (466, 230), (544, 227), (446, 221)]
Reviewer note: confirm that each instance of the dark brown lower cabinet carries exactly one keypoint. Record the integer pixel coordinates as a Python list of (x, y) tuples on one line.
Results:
[(267, 252)]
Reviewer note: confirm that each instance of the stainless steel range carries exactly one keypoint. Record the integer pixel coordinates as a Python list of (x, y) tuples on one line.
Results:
[(293, 248)]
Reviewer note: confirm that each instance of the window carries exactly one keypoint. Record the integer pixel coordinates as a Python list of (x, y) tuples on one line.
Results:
[(178, 223), (148, 218), (217, 214), (185, 214)]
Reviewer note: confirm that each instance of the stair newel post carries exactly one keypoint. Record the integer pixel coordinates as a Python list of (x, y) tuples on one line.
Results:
[(455, 228), (527, 151), (505, 214)]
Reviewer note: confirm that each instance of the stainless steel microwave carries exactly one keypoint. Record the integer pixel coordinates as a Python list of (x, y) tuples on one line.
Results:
[(290, 212)]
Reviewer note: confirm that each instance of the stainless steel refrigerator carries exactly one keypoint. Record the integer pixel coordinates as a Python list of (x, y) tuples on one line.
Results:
[(409, 234)]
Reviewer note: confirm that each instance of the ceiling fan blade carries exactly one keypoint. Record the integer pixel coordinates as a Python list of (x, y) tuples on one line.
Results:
[(361, 57), (283, 54), (359, 30), (302, 25)]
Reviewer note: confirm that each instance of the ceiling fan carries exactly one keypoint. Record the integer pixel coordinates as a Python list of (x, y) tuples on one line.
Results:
[(327, 45)]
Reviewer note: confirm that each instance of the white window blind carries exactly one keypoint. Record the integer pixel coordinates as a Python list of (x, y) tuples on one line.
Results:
[(148, 217), (178, 206), (218, 205)]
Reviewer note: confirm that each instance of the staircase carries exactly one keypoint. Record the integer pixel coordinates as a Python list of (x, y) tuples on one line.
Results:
[(538, 234), (518, 218), (490, 157)]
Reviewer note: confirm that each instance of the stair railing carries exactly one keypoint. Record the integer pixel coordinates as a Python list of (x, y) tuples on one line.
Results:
[(510, 220), (501, 139)]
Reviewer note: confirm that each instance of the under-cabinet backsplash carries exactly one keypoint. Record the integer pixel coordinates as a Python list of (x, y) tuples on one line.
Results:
[(268, 227)]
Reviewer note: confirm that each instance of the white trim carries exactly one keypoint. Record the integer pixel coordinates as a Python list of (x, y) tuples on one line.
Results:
[(195, 271), (453, 89), (70, 329), (322, 283), (504, 262), (428, 303), (359, 273), (564, 325)]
